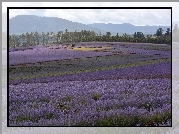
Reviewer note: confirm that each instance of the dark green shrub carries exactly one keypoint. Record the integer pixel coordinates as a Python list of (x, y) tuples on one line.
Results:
[(72, 45), (96, 96)]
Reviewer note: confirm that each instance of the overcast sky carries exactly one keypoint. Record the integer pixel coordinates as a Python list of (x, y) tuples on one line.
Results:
[(89, 16)]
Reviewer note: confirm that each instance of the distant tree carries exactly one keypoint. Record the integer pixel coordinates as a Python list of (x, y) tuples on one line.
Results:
[(51, 37), (33, 39), (100, 33), (108, 34), (37, 37), (117, 37), (124, 37), (140, 35), (59, 36), (10, 41), (135, 35), (168, 31), (159, 32), (43, 38), (27, 39)]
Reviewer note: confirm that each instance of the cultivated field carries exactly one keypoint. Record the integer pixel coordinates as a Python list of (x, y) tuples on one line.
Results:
[(91, 84)]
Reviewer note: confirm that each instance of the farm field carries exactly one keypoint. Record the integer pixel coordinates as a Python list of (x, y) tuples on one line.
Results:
[(90, 84)]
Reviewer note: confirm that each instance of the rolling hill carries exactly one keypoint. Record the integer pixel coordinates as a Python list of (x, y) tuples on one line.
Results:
[(31, 23)]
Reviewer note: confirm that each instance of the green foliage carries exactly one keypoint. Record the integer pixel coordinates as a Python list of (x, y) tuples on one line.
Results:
[(34, 38), (104, 122), (49, 116), (62, 107), (159, 32), (108, 34), (23, 118), (138, 35), (72, 45), (96, 96), (34, 118), (44, 100)]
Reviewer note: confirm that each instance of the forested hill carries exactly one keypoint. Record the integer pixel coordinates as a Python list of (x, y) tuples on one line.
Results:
[(31, 23)]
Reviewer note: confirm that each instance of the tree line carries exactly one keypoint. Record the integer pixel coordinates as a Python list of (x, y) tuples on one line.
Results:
[(35, 38)]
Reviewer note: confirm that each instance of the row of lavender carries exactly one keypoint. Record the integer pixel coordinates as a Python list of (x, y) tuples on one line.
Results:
[(147, 49), (133, 96), (45, 54), (41, 53), (142, 102), (157, 70)]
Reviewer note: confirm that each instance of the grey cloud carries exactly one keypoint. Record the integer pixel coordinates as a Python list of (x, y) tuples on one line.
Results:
[(133, 16)]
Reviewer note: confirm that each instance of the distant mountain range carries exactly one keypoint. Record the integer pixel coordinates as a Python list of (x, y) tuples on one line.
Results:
[(127, 28), (31, 23)]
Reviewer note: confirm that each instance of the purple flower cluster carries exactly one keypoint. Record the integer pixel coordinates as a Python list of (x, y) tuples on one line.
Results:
[(45, 54), (41, 53), (148, 52), (102, 94), (140, 49), (142, 102)]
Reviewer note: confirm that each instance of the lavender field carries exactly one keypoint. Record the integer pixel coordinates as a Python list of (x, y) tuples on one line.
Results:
[(91, 84)]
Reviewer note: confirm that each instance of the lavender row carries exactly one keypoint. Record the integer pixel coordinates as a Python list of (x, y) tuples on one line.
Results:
[(45, 54), (93, 103), (41, 53), (161, 70), (137, 49)]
